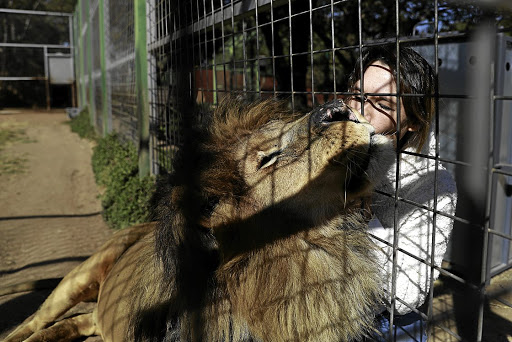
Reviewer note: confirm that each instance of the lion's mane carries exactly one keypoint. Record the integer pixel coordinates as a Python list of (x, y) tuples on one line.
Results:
[(306, 283)]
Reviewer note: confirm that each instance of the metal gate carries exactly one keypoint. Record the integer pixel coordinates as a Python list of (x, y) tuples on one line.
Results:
[(40, 63)]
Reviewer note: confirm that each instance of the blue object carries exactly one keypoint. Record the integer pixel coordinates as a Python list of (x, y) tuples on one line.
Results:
[(406, 328)]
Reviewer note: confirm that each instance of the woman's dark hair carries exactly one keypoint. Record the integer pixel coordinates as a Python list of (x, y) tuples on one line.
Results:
[(417, 81)]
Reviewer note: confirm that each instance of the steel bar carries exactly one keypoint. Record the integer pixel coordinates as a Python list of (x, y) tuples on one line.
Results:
[(42, 46), (28, 12), (35, 78)]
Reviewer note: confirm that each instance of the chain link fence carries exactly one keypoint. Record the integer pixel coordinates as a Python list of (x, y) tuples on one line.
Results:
[(145, 71)]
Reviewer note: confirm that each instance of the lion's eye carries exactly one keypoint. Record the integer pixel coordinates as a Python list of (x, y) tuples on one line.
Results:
[(267, 159)]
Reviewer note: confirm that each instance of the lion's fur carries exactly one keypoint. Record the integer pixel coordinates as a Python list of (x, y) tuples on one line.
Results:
[(246, 250), (272, 275)]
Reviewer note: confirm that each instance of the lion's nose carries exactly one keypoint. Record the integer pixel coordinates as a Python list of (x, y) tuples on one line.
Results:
[(332, 111), (358, 115), (362, 120)]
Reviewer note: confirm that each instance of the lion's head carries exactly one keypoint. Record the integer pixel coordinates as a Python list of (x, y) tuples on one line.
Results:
[(269, 209), (312, 166)]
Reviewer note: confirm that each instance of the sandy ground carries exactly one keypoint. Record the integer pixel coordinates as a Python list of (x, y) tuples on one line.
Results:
[(50, 217)]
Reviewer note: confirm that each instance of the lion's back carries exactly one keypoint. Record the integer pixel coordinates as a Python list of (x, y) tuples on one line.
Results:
[(130, 291)]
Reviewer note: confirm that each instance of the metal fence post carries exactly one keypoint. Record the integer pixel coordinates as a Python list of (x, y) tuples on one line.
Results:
[(104, 104), (47, 78), (152, 85), (76, 51), (80, 77), (92, 108), (141, 84), (473, 185), (73, 40)]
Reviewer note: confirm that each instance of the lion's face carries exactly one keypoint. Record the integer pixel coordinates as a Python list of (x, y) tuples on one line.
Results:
[(320, 161)]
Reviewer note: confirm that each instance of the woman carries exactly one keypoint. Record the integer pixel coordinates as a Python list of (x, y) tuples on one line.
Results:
[(407, 122)]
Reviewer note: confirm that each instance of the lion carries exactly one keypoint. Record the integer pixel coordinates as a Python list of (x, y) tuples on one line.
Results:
[(259, 236)]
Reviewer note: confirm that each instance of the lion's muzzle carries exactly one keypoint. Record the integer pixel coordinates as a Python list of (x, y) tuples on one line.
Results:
[(337, 111)]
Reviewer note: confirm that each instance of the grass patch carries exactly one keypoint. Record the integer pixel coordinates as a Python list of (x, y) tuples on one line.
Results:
[(9, 135), (12, 133), (10, 165)]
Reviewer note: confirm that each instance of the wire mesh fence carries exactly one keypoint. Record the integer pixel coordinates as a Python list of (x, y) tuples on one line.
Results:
[(105, 65), (200, 51)]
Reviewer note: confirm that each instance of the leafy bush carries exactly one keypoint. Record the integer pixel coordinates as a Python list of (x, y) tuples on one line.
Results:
[(126, 204), (126, 196), (111, 153), (81, 125)]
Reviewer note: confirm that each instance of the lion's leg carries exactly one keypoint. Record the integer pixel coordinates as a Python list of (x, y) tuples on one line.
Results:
[(81, 284), (67, 330)]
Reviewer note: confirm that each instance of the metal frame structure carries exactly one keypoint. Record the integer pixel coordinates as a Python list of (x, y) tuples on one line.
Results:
[(44, 47), (198, 51)]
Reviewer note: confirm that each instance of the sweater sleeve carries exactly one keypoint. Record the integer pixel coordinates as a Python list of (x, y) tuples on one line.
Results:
[(416, 228)]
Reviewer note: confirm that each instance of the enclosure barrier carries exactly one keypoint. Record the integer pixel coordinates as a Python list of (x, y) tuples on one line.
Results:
[(146, 69), (32, 61)]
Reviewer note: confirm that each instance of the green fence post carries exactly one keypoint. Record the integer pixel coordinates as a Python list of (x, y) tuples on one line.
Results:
[(103, 65), (141, 85), (81, 61), (76, 61), (92, 109)]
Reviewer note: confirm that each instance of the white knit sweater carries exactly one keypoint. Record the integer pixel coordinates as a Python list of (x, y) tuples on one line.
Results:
[(415, 226)]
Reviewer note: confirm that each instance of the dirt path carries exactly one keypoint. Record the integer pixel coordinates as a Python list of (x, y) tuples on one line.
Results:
[(49, 210)]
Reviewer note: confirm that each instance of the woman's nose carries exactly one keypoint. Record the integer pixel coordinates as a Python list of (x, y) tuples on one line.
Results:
[(355, 102), (365, 108)]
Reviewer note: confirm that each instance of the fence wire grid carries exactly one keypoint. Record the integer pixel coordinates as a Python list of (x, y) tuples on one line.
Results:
[(199, 51)]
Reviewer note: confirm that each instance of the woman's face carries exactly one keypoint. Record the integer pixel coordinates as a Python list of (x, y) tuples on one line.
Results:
[(380, 110)]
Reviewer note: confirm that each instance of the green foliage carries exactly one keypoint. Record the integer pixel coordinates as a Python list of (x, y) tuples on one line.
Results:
[(110, 152), (126, 203), (126, 196), (12, 164), (11, 134), (81, 125), (115, 165)]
